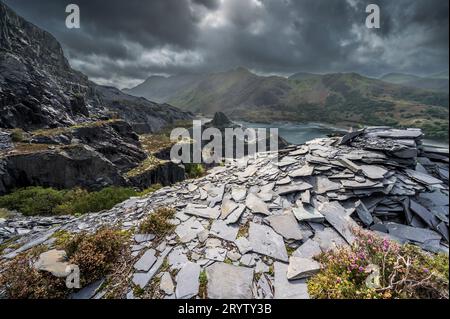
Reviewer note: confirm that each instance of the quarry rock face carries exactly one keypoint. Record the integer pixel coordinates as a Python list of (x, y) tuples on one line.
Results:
[(39, 89), (216, 233)]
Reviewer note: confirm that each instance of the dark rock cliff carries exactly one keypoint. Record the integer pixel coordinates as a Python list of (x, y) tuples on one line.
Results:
[(39, 89)]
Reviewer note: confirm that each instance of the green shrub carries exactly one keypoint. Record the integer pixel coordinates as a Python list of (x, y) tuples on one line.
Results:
[(17, 135), (33, 201), (78, 201), (194, 170), (157, 223), (406, 272)]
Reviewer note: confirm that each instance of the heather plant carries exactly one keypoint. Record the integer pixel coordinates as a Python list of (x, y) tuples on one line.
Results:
[(377, 268), (95, 254)]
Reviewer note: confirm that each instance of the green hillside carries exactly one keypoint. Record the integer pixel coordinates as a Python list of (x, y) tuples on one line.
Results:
[(342, 98)]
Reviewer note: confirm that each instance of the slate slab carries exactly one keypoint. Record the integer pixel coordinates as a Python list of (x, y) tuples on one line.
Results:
[(300, 268), (188, 281), (287, 226), (229, 282), (146, 261), (220, 229), (336, 215), (285, 289), (265, 241)]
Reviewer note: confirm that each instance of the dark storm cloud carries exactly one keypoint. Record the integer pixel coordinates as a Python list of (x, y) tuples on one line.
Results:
[(123, 42)]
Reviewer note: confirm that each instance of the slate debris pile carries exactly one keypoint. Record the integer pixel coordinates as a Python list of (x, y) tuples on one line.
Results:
[(5, 141), (253, 227)]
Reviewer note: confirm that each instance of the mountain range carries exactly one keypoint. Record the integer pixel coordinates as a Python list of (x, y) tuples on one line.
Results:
[(348, 99)]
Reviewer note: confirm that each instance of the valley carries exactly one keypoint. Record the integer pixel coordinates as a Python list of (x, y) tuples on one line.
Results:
[(344, 99)]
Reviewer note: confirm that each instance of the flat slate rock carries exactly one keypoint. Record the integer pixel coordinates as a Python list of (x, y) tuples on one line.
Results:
[(202, 211), (307, 213), (235, 215), (363, 213), (287, 226), (143, 238), (189, 230), (300, 268), (238, 193), (293, 188), (373, 171), (220, 229), (188, 281), (146, 261), (142, 279), (305, 171), (54, 262), (329, 239), (228, 206), (423, 178), (336, 215), (265, 241), (309, 249), (229, 282), (87, 292), (243, 245), (419, 235), (285, 289), (256, 205), (324, 185)]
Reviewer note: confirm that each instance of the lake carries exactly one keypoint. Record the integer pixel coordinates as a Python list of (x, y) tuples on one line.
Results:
[(297, 133)]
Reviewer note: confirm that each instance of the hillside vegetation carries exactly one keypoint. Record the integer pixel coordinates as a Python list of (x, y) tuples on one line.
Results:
[(343, 98)]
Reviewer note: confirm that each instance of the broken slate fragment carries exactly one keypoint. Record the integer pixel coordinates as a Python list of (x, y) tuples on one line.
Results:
[(229, 282), (142, 238), (418, 235), (287, 226), (423, 178), (189, 230), (238, 193), (235, 215), (336, 215), (285, 289), (202, 211), (188, 281), (306, 170), (300, 268), (243, 245), (146, 261), (256, 204), (294, 188), (267, 242), (54, 262), (309, 250), (228, 206), (363, 213), (220, 229), (307, 213)]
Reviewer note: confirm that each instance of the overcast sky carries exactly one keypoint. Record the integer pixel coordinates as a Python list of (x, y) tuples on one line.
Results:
[(122, 42)]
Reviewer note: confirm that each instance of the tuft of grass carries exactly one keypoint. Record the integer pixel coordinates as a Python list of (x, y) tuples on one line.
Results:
[(290, 250), (4, 213), (203, 289), (194, 171), (243, 230), (158, 223), (376, 268), (17, 135)]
